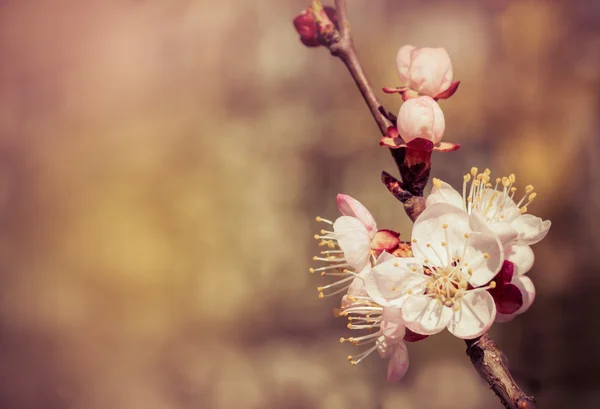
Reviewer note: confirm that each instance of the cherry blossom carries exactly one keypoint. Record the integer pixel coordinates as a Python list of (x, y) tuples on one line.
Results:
[(444, 284), (352, 245), (509, 219)]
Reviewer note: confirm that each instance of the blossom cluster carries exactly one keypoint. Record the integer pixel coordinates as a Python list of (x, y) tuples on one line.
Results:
[(463, 268), (465, 265)]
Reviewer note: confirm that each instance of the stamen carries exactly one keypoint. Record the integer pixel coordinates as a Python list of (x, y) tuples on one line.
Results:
[(320, 219)]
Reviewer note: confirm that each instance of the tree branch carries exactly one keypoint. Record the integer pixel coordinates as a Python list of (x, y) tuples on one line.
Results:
[(486, 357)]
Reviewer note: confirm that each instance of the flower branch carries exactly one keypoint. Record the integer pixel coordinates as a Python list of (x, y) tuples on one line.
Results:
[(370, 302)]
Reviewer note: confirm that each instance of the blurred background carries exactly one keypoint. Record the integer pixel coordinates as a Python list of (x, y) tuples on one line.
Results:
[(162, 162)]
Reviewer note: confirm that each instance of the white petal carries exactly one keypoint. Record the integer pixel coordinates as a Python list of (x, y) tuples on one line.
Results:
[(353, 239), (425, 315), (389, 281), (349, 206), (428, 229), (357, 287), (384, 256), (527, 288), (531, 229), (505, 232), (485, 256), (521, 256), (442, 192), (398, 365), (475, 315), (392, 324)]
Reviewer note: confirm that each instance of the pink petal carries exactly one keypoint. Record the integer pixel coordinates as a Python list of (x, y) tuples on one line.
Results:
[(449, 92), (411, 336), (446, 147), (421, 117), (525, 285), (397, 90), (510, 300), (475, 315), (351, 207), (392, 143), (398, 364), (404, 61), (392, 325), (431, 71)]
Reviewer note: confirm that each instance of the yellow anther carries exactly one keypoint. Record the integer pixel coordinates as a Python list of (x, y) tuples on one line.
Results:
[(528, 189), (414, 269), (319, 289), (487, 171), (505, 181), (410, 292), (493, 284), (512, 178), (532, 196), (474, 171), (395, 264), (444, 226), (476, 182), (513, 189), (342, 340), (315, 258), (488, 185), (498, 180), (486, 256), (456, 307), (470, 271), (444, 244), (426, 260), (316, 236), (437, 183), (321, 296), (394, 288), (523, 209), (414, 240), (466, 235), (318, 218), (349, 357), (467, 177), (428, 245)]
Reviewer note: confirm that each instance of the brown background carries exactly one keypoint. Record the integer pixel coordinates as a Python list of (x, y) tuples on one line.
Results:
[(161, 164)]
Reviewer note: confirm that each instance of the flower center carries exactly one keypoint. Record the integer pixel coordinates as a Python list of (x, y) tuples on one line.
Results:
[(448, 277), (447, 284)]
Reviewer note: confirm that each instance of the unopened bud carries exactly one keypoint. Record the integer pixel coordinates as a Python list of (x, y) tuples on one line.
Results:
[(306, 25)]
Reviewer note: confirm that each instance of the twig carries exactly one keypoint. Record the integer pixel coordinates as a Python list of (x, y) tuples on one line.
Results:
[(488, 360)]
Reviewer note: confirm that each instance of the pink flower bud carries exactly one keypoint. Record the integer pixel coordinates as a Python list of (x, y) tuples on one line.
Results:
[(306, 26), (425, 70), (423, 118)]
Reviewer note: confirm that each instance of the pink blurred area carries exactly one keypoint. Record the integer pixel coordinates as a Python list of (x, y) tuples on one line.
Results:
[(162, 162)]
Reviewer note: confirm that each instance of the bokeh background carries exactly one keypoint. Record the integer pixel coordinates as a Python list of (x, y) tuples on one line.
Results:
[(161, 164)]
